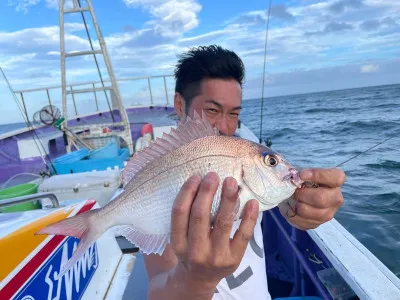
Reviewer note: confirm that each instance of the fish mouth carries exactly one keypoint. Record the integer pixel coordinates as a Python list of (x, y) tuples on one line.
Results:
[(294, 177)]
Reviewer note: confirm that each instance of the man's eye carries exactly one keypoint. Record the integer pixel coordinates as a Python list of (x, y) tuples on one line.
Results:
[(213, 110)]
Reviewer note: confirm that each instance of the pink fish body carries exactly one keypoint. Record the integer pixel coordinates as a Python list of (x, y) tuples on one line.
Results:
[(154, 176)]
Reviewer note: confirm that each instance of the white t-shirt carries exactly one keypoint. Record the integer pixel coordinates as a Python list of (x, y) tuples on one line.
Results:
[(249, 281)]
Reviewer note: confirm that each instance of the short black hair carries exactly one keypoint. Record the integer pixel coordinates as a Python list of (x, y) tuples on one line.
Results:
[(204, 62)]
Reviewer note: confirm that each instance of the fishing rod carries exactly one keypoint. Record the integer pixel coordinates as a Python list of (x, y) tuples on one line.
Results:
[(263, 82), (36, 138)]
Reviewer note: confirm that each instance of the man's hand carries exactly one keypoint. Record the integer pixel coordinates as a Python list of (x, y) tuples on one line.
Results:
[(205, 255), (313, 206)]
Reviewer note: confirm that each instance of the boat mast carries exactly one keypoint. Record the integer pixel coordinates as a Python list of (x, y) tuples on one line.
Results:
[(117, 104)]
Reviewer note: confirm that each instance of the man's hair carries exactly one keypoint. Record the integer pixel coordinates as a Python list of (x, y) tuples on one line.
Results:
[(203, 62)]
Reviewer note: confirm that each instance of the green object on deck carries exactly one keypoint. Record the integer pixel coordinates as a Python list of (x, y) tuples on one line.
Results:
[(59, 122), (18, 191)]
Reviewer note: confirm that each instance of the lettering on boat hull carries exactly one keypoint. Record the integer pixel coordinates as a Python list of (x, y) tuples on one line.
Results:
[(45, 284)]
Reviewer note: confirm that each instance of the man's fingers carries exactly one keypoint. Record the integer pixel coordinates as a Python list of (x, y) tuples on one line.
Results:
[(290, 212), (308, 212), (246, 229), (320, 197), (226, 214), (200, 215), (326, 177), (180, 213), (303, 224)]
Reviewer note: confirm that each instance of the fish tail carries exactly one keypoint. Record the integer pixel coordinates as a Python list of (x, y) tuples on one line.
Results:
[(82, 226)]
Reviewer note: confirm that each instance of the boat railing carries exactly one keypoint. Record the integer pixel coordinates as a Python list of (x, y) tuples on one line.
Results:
[(33, 197), (94, 86)]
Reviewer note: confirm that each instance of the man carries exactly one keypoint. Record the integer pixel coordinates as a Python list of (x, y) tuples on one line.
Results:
[(199, 262)]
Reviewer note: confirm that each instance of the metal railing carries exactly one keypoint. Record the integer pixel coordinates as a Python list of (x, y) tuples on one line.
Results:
[(72, 87), (28, 198)]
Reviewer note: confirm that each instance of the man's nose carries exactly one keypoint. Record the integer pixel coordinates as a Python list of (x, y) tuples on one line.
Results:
[(222, 126)]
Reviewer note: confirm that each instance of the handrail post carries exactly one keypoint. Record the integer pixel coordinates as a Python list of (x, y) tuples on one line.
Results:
[(23, 103), (151, 94), (73, 100), (95, 97), (166, 91)]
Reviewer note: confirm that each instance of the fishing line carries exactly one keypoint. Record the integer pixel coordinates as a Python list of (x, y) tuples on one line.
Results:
[(351, 158), (36, 138), (265, 59)]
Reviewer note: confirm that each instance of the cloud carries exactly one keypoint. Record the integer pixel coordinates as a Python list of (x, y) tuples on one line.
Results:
[(42, 39), (369, 68), (370, 25), (54, 3), (260, 17), (128, 28), (337, 26), (8, 63), (170, 19), (129, 49), (332, 27), (373, 25), (298, 51), (280, 12), (145, 3), (22, 5), (343, 5), (322, 79), (251, 18), (203, 39)]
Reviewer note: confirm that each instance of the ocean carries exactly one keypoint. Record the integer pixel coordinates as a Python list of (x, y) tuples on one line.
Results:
[(325, 129)]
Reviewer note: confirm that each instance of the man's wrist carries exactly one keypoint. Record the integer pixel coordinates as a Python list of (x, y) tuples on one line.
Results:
[(196, 288)]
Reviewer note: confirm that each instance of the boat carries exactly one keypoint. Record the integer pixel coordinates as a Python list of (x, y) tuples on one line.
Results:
[(49, 172)]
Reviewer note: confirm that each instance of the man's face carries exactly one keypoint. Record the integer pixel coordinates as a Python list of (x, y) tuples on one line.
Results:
[(221, 101)]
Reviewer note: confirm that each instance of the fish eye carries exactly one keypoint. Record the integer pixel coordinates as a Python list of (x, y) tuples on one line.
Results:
[(271, 160)]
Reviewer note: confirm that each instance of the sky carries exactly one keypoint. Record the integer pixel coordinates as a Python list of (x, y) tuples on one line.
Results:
[(312, 45)]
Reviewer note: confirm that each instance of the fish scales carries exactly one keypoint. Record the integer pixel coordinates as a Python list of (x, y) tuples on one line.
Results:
[(148, 198)]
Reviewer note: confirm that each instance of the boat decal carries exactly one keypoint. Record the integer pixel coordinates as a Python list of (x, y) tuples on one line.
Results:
[(46, 260), (23, 243)]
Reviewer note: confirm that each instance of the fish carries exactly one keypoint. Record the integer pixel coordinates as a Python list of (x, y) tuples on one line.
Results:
[(155, 174)]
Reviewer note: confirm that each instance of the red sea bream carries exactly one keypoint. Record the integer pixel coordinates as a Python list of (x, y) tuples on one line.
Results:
[(154, 176)]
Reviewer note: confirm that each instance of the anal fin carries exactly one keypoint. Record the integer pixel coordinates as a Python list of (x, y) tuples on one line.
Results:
[(148, 243)]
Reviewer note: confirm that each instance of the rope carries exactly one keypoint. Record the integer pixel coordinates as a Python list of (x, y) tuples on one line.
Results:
[(30, 126)]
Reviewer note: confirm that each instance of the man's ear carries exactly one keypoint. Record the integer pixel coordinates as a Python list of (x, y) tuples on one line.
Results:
[(179, 104)]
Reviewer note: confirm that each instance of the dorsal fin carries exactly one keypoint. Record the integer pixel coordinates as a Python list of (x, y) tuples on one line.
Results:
[(187, 131)]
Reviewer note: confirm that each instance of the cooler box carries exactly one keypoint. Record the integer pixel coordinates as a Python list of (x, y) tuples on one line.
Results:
[(99, 186), (72, 156), (108, 151), (97, 163)]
